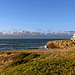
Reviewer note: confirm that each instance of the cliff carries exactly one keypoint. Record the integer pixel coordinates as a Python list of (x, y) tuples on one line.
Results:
[(60, 44)]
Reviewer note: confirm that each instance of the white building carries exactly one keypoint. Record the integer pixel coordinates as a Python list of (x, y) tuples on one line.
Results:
[(73, 37)]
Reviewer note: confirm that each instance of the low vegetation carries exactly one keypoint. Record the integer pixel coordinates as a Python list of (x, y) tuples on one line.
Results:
[(23, 58), (57, 62)]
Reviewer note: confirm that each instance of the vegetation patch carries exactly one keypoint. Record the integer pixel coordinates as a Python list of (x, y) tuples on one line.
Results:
[(23, 58), (57, 62), (50, 66)]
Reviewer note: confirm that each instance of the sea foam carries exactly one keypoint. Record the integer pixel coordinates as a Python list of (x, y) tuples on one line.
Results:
[(43, 47)]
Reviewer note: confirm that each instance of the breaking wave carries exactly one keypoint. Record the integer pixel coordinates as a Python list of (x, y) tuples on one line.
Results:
[(43, 47)]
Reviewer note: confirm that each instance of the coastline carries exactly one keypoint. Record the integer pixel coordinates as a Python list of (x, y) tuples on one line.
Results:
[(23, 44)]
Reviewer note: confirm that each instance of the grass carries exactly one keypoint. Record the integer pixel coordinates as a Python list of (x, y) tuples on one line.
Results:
[(51, 66), (23, 58), (25, 64)]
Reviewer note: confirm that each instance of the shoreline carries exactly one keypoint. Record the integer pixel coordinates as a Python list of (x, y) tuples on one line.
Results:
[(24, 44)]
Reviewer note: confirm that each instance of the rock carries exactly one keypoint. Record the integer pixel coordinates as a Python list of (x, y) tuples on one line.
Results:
[(52, 44), (60, 44)]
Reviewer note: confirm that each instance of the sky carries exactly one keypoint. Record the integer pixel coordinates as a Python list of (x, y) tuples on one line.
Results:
[(37, 15)]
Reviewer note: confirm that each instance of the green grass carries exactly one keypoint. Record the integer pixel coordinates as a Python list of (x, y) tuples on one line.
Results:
[(21, 55), (48, 66), (23, 58)]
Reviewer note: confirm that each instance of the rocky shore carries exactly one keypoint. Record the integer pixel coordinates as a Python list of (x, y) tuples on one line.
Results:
[(61, 44)]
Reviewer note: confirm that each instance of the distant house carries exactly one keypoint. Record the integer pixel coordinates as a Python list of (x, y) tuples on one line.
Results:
[(73, 37)]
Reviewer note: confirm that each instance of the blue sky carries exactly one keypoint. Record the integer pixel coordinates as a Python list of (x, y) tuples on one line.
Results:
[(31, 15)]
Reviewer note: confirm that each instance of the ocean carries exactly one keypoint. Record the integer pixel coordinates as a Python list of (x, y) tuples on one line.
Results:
[(23, 44)]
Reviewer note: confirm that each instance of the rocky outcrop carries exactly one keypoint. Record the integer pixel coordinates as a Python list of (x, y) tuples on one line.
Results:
[(60, 44)]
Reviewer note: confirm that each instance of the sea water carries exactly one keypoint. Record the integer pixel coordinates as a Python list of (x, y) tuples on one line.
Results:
[(23, 44)]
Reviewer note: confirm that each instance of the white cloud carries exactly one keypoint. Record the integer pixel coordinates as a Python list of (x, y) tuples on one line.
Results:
[(27, 34)]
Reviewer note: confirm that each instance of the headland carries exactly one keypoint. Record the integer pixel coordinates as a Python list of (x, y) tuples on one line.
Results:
[(59, 58)]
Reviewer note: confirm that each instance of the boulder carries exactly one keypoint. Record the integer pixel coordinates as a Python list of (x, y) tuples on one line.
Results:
[(52, 44), (60, 44)]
